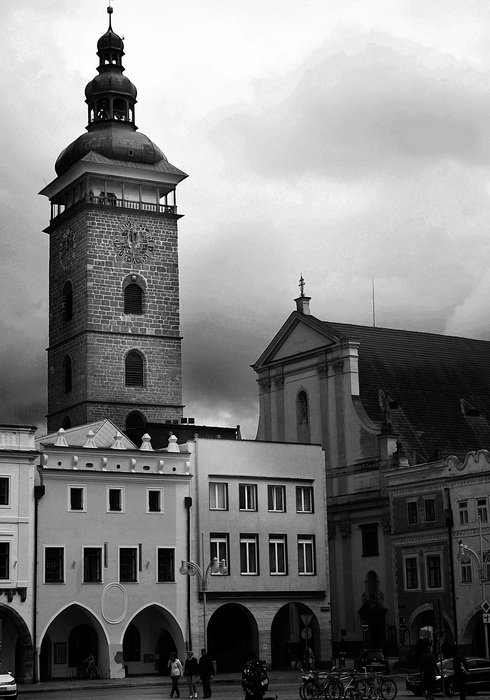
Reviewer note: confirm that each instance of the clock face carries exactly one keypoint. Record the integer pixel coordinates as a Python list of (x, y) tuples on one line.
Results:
[(66, 251), (133, 242)]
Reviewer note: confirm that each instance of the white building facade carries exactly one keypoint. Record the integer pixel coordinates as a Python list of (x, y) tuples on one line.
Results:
[(111, 529), (261, 507), (18, 459)]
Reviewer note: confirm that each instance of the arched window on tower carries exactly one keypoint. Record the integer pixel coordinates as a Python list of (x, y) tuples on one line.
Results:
[(134, 369), (302, 416), (67, 374), (133, 299), (67, 302)]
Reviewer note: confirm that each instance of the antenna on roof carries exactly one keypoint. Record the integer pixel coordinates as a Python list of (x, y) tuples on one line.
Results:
[(374, 303)]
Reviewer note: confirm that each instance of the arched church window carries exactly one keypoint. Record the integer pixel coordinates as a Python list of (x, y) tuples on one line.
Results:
[(134, 369), (67, 302), (302, 417), (133, 299), (67, 374)]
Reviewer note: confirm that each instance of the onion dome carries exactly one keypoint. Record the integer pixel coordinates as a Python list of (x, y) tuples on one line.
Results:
[(111, 99)]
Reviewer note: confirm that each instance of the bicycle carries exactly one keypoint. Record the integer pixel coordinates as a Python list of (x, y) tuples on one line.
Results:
[(313, 683), (378, 687)]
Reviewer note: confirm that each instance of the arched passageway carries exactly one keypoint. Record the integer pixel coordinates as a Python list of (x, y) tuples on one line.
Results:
[(70, 638), (149, 639), (17, 649), (293, 629), (232, 636), (473, 639)]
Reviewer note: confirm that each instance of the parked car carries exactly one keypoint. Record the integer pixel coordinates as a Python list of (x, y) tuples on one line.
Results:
[(373, 660), (8, 686), (477, 680)]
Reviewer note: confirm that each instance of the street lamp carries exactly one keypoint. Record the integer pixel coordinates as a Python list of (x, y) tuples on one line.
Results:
[(190, 568), (464, 555)]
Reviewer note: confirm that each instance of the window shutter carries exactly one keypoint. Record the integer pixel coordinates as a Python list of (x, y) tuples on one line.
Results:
[(133, 299), (134, 369)]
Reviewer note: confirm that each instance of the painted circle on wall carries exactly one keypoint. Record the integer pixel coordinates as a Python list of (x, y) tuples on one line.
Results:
[(114, 603)]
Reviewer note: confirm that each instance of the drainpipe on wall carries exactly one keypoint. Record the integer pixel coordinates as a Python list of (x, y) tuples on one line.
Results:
[(448, 512), (39, 491), (188, 506)]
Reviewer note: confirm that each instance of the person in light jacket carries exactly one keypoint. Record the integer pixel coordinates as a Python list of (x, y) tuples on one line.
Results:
[(175, 667)]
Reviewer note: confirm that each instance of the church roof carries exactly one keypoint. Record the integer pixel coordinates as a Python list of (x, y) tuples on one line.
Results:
[(438, 386)]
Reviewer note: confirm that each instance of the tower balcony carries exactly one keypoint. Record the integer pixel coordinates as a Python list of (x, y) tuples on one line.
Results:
[(73, 200)]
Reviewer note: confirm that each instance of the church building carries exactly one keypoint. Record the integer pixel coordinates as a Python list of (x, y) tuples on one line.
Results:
[(376, 399)]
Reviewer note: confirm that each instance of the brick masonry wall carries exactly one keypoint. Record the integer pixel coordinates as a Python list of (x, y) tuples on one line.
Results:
[(85, 249)]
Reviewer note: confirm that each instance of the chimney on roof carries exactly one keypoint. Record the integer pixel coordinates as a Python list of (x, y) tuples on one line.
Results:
[(303, 302)]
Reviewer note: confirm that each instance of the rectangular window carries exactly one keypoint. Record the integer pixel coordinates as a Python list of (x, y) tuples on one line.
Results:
[(412, 512), (92, 564), (430, 510), (278, 555), (247, 496), (304, 499), (165, 564), (155, 501), (466, 573), (128, 564), (369, 534), (54, 565), (219, 547), (76, 498), (434, 578), (411, 573), (4, 560), (218, 495), (276, 499), (306, 555), (249, 555), (482, 509), (115, 500), (4, 491), (463, 512)]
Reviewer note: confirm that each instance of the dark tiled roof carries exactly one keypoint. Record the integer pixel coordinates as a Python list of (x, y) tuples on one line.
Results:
[(427, 376)]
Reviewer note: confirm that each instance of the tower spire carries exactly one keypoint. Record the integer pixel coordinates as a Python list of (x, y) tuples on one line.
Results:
[(110, 10)]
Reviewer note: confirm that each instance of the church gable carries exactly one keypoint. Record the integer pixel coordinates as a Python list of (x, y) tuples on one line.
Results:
[(299, 335), (300, 340)]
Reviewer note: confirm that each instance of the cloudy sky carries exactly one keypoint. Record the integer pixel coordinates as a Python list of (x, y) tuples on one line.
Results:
[(342, 139)]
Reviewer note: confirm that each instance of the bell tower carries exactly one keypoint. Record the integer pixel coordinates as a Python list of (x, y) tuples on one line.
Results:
[(114, 327)]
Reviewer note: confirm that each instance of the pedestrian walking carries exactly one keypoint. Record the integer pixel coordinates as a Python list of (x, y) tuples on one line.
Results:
[(175, 667), (461, 671), (191, 669), (206, 672), (429, 671)]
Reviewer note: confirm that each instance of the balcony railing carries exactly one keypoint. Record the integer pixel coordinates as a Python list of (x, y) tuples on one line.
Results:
[(110, 200)]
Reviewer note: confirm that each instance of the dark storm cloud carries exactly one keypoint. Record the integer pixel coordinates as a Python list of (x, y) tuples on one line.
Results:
[(360, 108)]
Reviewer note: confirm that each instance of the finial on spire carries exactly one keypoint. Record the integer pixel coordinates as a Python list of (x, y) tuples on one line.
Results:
[(302, 302), (110, 10), (301, 285)]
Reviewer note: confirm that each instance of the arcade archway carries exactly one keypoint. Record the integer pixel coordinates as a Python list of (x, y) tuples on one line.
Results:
[(232, 636), (73, 634), (18, 650), (149, 639), (293, 629)]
